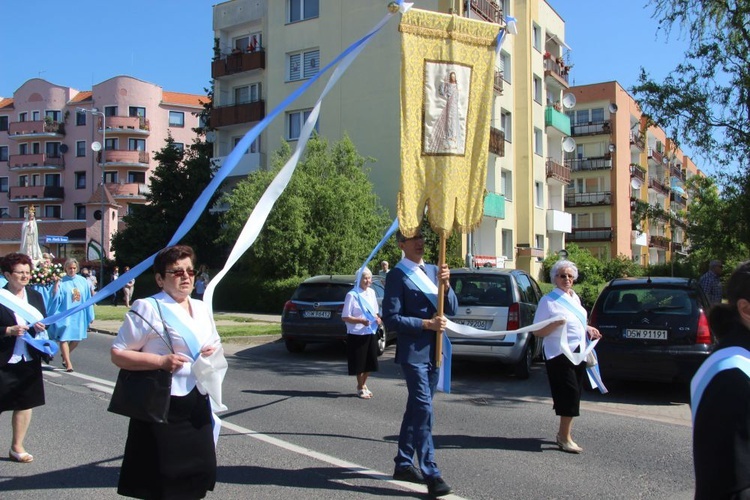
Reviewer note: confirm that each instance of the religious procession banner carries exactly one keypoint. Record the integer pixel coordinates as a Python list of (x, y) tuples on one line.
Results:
[(448, 65)]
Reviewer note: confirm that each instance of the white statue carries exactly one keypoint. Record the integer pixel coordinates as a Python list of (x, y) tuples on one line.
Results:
[(30, 236)]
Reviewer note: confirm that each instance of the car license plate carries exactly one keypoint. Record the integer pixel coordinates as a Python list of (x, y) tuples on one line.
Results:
[(645, 334), (316, 314), (479, 324)]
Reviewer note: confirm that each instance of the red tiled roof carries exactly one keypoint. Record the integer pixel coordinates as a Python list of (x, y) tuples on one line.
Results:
[(82, 96), (10, 231), (183, 99), (96, 198), (6, 102)]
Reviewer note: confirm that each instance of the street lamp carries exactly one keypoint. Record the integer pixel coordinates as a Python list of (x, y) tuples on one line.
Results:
[(97, 147)]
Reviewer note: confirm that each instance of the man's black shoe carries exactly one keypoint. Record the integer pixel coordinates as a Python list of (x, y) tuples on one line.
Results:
[(437, 487), (409, 474)]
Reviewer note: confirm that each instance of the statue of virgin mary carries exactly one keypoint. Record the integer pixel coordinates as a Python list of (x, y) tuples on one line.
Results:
[(30, 236)]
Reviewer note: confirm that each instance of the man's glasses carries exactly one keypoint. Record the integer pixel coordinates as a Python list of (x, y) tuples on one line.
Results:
[(179, 273)]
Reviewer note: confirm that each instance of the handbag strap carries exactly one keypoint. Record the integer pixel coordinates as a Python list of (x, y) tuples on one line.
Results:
[(168, 339)]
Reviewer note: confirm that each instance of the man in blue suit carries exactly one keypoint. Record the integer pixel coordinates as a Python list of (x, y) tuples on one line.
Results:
[(409, 310)]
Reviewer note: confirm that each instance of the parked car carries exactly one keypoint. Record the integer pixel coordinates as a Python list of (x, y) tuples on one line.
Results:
[(313, 314), (652, 329), (497, 299)]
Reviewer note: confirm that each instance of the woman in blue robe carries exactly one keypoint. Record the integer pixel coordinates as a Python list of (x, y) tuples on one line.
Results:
[(70, 292)]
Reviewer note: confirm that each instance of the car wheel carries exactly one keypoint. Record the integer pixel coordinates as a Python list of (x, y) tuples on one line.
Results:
[(522, 369), (294, 345), (381, 341)]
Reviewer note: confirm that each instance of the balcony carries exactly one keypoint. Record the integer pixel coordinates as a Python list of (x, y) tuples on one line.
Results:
[(678, 247), (524, 251), (494, 205), (676, 171), (659, 242), (655, 155), (588, 199), (559, 221), (557, 171), (224, 116), (591, 128), (49, 193), (238, 62), (249, 162), (637, 142), (130, 125), (127, 158), (556, 72), (638, 172), (37, 129), (590, 234), (40, 161), (499, 82), (678, 199), (557, 120), (487, 10), (658, 185), (587, 164), (131, 190), (497, 142)]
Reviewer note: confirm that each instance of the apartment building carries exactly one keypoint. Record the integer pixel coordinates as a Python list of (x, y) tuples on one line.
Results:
[(46, 159), (264, 51), (623, 166)]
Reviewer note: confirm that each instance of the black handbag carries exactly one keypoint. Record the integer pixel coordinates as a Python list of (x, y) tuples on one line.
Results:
[(144, 394)]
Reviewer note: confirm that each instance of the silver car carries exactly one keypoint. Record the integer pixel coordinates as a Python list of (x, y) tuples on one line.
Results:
[(496, 299)]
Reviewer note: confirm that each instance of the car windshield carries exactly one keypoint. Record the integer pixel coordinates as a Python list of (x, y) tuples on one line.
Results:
[(482, 290), (636, 300), (321, 292)]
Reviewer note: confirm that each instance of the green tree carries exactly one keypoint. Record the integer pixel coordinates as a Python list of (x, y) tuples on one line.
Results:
[(705, 100), (177, 181), (327, 220)]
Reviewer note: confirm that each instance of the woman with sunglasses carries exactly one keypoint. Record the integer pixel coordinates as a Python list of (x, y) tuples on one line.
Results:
[(21, 382), (176, 459), (565, 378)]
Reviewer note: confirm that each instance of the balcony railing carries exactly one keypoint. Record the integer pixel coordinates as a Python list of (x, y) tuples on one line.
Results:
[(128, 190), (676, 171), (39, 160), (498, 84), (238, 62), (497, 141), (659, 242), (36, 192), (127, 156), (556, 70), (487, 10), (655, 155), (587, 199), (679, 199), (585, 164), (224, 116), (638, 172), (39, 127), (591, 128), (637, 140), (590, 234), (557, 119), (658, 185), (126, 124), (558, 171)]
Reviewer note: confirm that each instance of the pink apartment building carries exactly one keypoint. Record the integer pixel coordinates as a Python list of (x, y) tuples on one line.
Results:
[(46, 158)]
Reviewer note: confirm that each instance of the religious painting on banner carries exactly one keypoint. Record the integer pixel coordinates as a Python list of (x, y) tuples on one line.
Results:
[(448, 65)]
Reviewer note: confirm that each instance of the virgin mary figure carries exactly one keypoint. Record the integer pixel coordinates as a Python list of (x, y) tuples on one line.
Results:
[(30, 236), (446, 134)]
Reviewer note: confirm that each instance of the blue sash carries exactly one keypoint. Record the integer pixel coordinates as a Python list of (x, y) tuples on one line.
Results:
[(31, 315), (366, 307), (723, 359), (187, 332)]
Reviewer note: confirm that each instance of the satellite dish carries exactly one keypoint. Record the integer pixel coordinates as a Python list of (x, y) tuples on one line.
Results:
[(569, 145), (569, 100), (636, 183), (96, 146), (664, 160), (613, 108), (611, 148), (63, 148)]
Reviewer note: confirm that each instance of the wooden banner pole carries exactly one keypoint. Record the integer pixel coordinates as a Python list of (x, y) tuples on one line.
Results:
[(440, 302)]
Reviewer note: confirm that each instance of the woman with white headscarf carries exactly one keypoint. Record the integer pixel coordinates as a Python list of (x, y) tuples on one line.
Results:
[(360, 314)]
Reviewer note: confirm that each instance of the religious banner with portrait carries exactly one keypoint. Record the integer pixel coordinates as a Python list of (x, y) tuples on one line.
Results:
[(448, 65)]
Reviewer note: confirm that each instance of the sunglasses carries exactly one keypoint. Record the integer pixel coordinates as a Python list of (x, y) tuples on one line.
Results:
[(179, 273), (565, 276)]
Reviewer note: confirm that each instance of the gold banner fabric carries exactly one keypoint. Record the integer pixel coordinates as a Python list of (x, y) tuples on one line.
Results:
[(448, 65)]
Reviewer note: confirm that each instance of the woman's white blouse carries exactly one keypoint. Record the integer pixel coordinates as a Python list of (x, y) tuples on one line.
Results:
[(353, 310), (135, 334), (549, 308)]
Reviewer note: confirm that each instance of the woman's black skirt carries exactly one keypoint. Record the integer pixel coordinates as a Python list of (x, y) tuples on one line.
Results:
[(176, 460), (362, 353), (566, 384), (21, 385)]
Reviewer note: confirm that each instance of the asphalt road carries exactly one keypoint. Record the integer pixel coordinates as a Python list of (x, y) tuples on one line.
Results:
[(295, 429)]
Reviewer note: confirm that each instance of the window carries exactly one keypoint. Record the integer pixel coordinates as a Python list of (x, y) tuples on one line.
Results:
[(538, 141), (81, 212), (4, 212), (176, 119), (35, 148), (3, 123), (110, 177), (52, 180), (294, 121), (537, 89), (137, 177), (299, 10), (22, 212), (35, 116), (53, 115), (3, 153), (52, 212), (303, 65), (23, 149), (506, 184), (22, 117), (80, 118), (507, 235), (111, 144), (80, 180), (536, 37), (80, 148), (3, 184), (110, 110), (539, 241), (505, 65), (136, 144), (248, 93), (597, 115), (52, 149), (539, 192), (179, 146), (23, 180), (505, 125), (137, 111)]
